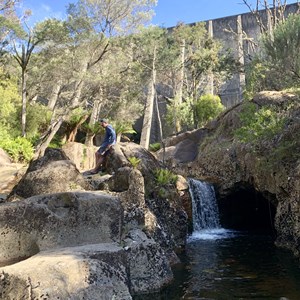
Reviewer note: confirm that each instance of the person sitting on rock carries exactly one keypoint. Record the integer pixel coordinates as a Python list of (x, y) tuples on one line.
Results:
[(108, 141)]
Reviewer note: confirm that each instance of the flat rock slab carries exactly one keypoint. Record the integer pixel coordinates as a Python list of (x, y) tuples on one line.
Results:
[(138, 265), (58, 220), (93, 272)]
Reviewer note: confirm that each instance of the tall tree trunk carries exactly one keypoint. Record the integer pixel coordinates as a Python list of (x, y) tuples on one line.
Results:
[(148, 114), (160, 129), (179, 88), (24, 102), (77, 93), (94, 117), (73, 133), (47, 138), (241, 57), (79, 86), (210, 77), (54, 95)]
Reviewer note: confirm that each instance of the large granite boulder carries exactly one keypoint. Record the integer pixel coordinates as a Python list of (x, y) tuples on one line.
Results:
[(93, 271), (55, 214), (149, 269), (162, 214), (10, 174), (124, 151), (182, 148), (58, 220), (52, 173), (81, 155)]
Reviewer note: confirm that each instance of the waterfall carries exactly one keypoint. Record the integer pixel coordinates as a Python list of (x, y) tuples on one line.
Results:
[(204, 205)]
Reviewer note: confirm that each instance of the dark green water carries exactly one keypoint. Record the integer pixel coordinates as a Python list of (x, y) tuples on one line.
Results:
[(234, 266)]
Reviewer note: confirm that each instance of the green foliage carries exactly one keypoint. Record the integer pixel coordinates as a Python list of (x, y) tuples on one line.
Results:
[(282, 51), (122, 128), (165, 177), (154, 147), (94, 128), (207, 108), (257, 76), (76, 116), (134, 161), (10, 100), (57, 142), (182, 113), (202, 56), (277, 67), (258, 124), (38, 119), (19, 149), (191, 115)]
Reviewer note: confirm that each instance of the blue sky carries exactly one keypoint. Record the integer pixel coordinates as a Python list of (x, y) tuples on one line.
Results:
[(167, 13)]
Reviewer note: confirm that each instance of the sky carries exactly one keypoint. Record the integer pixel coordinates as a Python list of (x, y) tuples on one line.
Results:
[(168, 13)]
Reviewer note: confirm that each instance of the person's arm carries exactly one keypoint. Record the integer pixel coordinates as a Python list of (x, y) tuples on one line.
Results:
[(109, 140)]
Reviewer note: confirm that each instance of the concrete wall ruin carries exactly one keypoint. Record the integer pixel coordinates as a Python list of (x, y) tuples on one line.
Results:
[(239, 33)]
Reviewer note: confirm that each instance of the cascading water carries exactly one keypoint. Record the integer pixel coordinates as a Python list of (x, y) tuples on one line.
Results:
[(204, 205), (206, 224)]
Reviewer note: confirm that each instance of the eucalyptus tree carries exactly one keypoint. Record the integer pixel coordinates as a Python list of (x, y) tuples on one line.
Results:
[(193, 57), (281, 54), (275, 62), (275, 12), (8, 19), (147, 52), (22, 46), (92, 25)]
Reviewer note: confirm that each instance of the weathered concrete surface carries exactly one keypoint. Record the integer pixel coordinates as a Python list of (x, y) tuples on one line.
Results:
[(58, 220)]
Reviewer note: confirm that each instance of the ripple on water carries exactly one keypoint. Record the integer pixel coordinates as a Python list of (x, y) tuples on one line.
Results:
[(212, 234)]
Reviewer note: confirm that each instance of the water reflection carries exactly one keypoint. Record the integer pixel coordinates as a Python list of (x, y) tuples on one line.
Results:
[(240, 266)]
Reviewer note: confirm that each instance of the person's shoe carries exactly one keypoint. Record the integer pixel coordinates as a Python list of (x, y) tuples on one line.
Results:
[(91, 172)]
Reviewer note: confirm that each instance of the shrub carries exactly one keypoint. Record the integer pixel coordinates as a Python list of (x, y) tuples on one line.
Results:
[(277, 66), (258, 124), (282, 52), (37, 121), (165, 177), (134, 161), (154, 147), (257, 74), (19, 149), (207, 108)]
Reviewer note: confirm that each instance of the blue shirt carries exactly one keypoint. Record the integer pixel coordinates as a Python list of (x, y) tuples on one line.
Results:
[(109, 138)]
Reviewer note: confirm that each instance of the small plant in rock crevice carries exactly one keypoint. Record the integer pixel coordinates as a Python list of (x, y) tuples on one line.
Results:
[(154, 147), (134, 161), (165, 177)]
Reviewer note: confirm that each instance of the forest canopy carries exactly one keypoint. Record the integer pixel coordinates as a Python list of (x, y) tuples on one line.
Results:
[(59, 77)]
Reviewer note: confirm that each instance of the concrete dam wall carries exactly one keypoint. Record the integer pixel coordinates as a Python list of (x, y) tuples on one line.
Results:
[(239, 33)]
